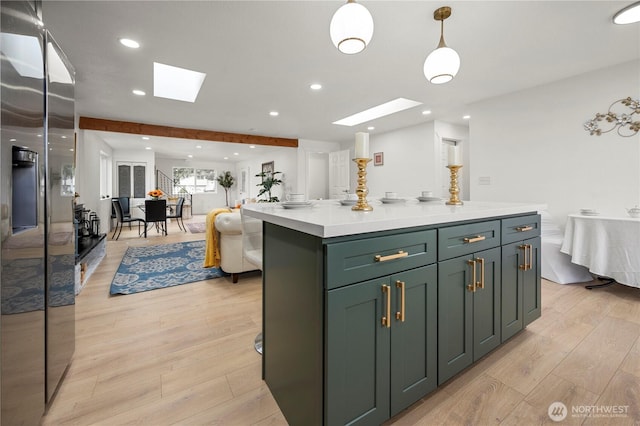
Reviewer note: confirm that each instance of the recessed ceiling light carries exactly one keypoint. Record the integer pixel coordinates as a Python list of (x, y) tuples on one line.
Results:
[(12, 140), (138, 92), (146, 138), (316, 86), (198, 146), (371, 128), (129, 43), (147, 148), (236, 153), (176, 83), (466, 117), (39, 136), (226, 158), (382, 110), (426, 112), (190, 156), (63, 137), (252, 146), (274, 113), (71, 149), (628, 15)]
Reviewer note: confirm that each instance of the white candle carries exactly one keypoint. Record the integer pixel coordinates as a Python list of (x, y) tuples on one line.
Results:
[(454, 155), (362, 145)]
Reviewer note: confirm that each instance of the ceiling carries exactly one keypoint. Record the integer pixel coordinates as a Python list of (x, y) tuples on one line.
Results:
[(261, 56)]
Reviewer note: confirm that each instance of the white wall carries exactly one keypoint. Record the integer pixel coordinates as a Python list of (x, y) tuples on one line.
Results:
[(285, 160), (318, 168), (532, 146), (88, 149), (411, 159)]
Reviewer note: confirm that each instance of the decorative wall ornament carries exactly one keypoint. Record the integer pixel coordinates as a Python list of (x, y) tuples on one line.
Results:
[(623, 122), (378, 158)]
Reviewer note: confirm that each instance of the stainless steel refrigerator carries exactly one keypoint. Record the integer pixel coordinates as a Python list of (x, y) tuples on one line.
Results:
[(37, 256)]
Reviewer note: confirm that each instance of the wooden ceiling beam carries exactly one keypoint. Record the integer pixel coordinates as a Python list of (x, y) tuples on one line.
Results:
[(90, 123)]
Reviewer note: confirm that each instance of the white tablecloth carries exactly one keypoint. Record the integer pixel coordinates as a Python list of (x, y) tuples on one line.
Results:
[(609, 246)]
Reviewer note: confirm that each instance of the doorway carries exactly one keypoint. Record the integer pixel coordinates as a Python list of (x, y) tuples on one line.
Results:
[(318, 180)]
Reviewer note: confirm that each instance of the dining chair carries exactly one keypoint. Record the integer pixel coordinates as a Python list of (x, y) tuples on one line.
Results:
[(126, 208), (177, 215), (121, 219), (156, 211)]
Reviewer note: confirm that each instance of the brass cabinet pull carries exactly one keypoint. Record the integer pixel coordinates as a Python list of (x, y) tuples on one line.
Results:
[(474, 239), (523, 267), (472, 287), (481, 282), (527, 262), (386, 320), (398, 255), (400, 315), (524, 228)]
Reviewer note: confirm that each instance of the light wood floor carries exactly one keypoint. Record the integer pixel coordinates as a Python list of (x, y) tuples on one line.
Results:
[(184, 355)]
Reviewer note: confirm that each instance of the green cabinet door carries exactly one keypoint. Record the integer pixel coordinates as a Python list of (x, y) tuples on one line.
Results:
[(512, 313), (468, 314), (531, 284), (455, 317), (486, 303), (413, 337), (357, 365), (521, 291)]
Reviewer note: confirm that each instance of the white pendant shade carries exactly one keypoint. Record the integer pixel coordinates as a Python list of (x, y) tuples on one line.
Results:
[(628, 15), (441, 65), (351, 28)]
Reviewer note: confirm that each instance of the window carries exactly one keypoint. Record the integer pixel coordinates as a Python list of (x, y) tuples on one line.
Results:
[(105, 175), (132, 180), (194, 180)]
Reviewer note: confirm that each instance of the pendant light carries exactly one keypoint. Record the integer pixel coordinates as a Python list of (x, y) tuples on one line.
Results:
[(351, 28), (628, 15), (443, 63)]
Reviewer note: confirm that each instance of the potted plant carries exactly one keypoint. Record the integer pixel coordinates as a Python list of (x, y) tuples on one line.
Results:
[(269, 180), (226, 181)]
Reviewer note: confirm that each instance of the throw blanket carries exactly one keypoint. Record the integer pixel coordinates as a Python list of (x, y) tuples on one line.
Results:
[(212, 248)]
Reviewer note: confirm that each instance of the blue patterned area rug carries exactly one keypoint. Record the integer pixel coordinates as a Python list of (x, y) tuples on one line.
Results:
[(167, 265)]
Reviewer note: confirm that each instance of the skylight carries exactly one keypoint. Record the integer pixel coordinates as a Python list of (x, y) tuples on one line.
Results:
[(176, 83), (382, 110)]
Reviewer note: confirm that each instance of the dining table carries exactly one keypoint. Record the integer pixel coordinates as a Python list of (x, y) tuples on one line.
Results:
[(608, 245)]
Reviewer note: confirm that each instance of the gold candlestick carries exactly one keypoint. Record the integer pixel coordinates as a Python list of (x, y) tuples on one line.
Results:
[(362, 191), (454, 190)]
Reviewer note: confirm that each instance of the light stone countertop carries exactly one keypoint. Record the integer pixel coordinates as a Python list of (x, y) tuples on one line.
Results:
[(328, 218)]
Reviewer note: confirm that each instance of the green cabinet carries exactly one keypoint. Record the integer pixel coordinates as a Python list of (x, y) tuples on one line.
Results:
[(521, 291), (380, 346), (521, 281), (468, 310), (357, 328)]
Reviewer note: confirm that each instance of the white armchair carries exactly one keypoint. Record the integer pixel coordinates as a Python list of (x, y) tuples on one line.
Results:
[(238, 253)]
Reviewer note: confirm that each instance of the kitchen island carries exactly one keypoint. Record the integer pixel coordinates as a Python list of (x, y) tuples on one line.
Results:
[(364, 313)]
